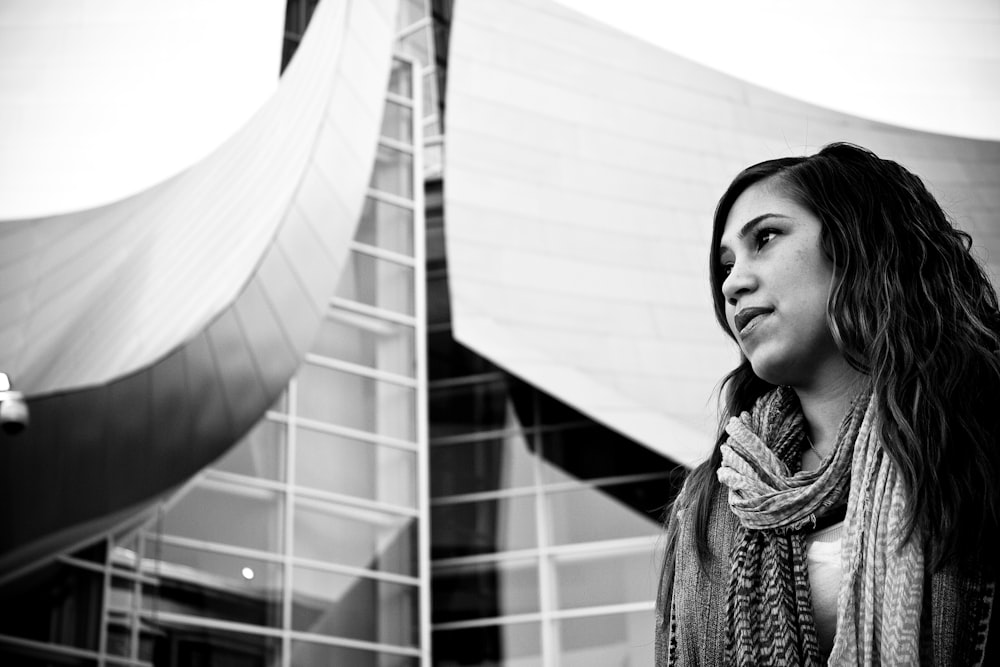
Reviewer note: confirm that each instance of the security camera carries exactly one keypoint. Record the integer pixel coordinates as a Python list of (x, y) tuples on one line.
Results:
[(13, 412), (13, 409)]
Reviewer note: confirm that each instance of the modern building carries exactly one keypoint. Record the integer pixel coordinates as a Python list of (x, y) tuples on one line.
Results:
[(449, 353)]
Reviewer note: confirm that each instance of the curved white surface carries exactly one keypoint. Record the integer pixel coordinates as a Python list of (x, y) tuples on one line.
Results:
[(582, 169), (146, 362), (93, 295), (920, 64)]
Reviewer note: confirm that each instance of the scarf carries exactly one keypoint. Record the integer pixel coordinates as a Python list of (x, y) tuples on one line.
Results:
[(755, 606)]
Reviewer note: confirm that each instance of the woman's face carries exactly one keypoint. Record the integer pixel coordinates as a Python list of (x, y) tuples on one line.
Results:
[(776, 288)]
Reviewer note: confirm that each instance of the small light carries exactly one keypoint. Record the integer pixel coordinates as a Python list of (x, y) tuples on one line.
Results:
[(4, 382), (247, 573)]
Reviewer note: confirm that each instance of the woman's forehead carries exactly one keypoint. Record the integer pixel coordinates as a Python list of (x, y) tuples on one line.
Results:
[(757, 202)]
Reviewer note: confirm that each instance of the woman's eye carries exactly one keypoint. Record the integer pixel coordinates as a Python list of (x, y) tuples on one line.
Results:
[(725, 269), (764, 237)]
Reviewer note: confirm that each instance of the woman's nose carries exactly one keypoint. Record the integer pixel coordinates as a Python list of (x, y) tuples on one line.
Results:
[(739, 281)]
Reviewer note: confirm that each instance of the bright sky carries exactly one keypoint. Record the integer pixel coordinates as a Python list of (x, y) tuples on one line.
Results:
[(926, 64), (101, 99), (81, 125)]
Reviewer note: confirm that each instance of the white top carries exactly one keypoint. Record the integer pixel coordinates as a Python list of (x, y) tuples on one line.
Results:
[(823, 558)]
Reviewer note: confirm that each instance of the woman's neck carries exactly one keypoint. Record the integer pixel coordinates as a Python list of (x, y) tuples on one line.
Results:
[(825, 406)]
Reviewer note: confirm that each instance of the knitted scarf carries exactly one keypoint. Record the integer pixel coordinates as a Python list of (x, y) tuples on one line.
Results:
[(755, 608), (769, 606)]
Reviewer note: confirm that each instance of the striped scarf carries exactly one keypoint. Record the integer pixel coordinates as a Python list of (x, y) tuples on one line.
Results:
[(770, 606), (767, 617)]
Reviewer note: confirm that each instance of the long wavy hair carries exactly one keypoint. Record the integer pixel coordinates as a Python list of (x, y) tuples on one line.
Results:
[(911, 308)]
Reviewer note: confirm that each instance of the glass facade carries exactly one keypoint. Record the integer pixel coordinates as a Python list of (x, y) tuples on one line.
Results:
[(545, 525), (302, 545), (423, 36), (404, 502)]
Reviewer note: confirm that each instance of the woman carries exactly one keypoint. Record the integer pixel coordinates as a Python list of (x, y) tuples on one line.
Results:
[(848, 513)]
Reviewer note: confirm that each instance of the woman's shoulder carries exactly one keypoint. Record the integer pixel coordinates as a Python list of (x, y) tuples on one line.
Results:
[(701, 496)]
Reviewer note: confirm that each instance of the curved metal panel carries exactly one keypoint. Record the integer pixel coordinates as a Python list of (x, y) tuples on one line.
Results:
[(582, 172), (229, 269)]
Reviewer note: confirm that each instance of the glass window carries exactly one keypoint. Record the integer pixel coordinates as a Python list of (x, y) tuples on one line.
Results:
[(310, 654), (355, 537), (434, 238), (432, 128), (58, 604), (485, 465), (119, 635), (483, 526), (178, 644), (439, 305), (619, 639), (226, 513), (430, 93), (593, 514), (393, 172), (591, 451), (122, 595), (377, 282), (95, 552), (469, 407), (367, 341), (356, 468), (204, 583), (22, 656), (387, 226), (346, 399), (593, 580), (401, 79), (261, 453), (411, 11), (416, 45), (433, 160), (450, 359), (513, 645), (340, 605), (485, 590), (397, 122), (124, 552)]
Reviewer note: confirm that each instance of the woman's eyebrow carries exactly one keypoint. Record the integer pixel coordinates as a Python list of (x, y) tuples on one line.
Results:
[(749, 227)]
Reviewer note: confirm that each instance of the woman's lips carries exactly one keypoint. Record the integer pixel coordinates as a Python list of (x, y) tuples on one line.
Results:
[(747, 318)]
